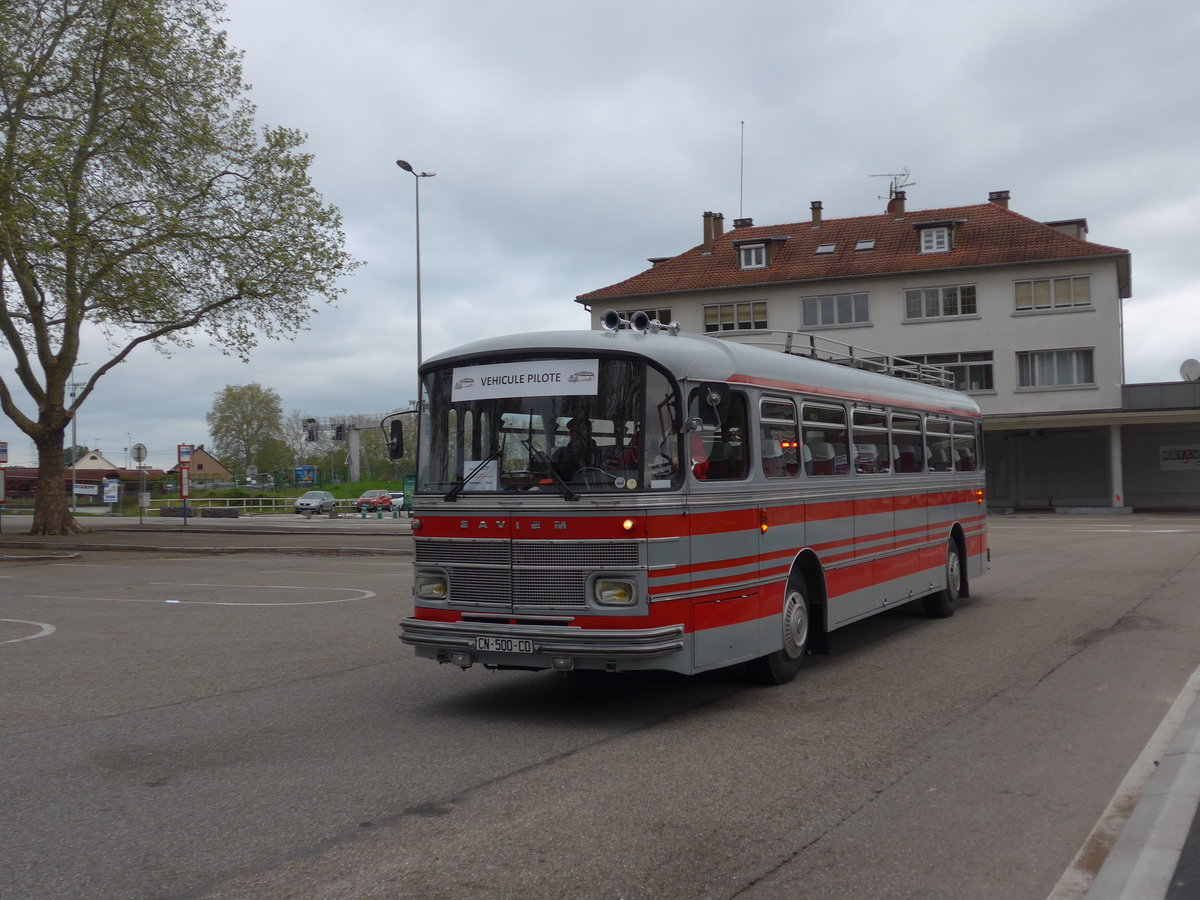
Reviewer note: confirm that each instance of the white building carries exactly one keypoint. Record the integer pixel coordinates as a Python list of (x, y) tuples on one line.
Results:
[(1026, 315)]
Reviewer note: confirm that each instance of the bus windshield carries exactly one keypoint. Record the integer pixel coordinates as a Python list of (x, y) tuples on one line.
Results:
[(566, 425)]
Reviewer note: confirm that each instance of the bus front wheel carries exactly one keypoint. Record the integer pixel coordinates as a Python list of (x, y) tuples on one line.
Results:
[(781, 666), (941, 605)]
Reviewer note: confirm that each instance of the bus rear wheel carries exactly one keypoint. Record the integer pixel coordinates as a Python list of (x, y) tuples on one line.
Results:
[(941, 605), (781, 666)]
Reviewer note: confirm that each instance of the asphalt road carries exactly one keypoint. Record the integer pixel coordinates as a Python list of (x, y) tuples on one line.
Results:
[(184, 723)]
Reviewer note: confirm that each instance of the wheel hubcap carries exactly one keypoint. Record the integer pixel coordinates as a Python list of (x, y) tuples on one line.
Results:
[(795, 625)]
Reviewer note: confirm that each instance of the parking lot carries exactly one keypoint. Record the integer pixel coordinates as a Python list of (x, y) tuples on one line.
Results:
[(227, 712)]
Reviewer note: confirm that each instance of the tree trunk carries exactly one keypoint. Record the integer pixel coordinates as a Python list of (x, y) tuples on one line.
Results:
[(51, 511)]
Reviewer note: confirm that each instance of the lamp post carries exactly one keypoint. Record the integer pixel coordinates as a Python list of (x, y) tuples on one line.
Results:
[(417, 176), (74, 440)]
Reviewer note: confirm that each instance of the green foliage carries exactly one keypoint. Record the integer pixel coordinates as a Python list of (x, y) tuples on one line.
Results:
[(245, 423), (138, 198)]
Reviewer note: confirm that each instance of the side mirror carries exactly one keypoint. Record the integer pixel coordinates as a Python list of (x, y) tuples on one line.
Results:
[(714, 403), (395, 439)]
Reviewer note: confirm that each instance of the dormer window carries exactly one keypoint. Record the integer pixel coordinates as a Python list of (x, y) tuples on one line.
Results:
[(935, 240), (937, 237), (752, 256)]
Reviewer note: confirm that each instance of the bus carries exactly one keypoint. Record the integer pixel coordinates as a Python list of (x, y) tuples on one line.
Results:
[(638, 498)]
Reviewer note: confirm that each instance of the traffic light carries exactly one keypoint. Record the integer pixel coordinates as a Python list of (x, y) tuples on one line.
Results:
[(339, 432), (310, 429)]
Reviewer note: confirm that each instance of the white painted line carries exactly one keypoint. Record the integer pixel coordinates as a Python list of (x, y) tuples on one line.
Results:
[(331, 574), (83, 566), (360, 595), (44, 631)]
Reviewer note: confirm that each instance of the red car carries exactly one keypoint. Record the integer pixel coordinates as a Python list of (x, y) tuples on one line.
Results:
[(372, 501)]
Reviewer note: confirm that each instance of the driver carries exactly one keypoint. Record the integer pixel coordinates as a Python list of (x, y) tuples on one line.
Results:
[(579, 452)]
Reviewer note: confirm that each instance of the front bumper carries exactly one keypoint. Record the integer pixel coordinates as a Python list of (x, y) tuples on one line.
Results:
[(608, 643)]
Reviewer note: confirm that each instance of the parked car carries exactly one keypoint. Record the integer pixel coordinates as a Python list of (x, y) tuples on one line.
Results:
[(315, 501), (372, 501), (397, 499)]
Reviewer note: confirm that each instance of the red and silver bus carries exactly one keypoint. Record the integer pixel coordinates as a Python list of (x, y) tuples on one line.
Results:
[(637, 498)]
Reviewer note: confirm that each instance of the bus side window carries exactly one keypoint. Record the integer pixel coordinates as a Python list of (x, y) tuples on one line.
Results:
[(872, 448), (908, 453), (937, 444), (825, 440), (965, 459), (780, 437), (721, 448)]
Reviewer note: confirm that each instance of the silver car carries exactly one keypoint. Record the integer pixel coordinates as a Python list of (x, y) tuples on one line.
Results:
[(315, 501)]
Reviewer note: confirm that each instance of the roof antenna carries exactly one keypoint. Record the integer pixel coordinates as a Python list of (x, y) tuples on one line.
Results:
[(899, 182), (742, 172)]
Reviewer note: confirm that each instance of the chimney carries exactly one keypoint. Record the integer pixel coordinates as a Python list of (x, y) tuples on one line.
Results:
[(718, 225), (1000, 198), (895, 206), (743, 223), (708, 232), (816, 213)]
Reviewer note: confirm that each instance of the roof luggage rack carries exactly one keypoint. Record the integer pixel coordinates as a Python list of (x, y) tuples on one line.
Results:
[(804, 343)]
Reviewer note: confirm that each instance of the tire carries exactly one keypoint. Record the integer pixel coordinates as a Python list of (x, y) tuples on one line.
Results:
[(781, 666), (941, 605)]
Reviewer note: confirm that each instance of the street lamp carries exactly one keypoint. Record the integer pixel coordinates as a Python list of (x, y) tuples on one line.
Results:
[(417, 176), (74, 440)]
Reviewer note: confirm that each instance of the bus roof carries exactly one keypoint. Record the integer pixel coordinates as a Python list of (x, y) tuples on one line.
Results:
[(698, 357)]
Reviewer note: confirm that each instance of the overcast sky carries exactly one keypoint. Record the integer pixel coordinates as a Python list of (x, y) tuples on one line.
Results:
[(573, 140)]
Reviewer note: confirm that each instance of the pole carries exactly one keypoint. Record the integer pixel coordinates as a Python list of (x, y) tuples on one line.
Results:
[(417, 185), (417, 176)]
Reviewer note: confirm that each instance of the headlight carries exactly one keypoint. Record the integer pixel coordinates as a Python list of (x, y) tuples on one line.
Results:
[(430, 587), (615, 592)]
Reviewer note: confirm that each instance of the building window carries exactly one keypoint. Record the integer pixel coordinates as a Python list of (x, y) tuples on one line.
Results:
[(1055, 368), (825, 248), (868, 244), (949, 302), (752, 256), (1054, 293), (971, 371), (836, 309), (736, 316), (660, 315), (935, 240)]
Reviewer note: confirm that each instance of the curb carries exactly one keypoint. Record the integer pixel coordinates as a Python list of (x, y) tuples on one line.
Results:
[(1132, 852)]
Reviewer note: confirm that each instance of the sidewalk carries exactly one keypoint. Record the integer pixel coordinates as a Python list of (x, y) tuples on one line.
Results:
[(1157, 855), (284, 533)]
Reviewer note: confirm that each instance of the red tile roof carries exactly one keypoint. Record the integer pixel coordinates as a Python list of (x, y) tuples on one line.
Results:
[(987, 235)]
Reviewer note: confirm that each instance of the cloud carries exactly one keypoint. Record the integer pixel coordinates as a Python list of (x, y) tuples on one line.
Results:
[(572, 141)]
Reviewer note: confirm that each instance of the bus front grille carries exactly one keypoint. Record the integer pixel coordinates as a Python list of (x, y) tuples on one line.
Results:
[(523, 574)]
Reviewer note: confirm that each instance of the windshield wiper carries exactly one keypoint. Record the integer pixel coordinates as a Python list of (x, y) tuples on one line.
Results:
[(453, 493), (543, 459)]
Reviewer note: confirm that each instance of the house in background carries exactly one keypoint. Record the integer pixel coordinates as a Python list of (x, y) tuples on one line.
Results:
[(93, 461), (205, 468), (1026, 315)]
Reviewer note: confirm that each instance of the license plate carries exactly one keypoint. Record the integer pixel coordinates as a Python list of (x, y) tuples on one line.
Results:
[(504, 645)]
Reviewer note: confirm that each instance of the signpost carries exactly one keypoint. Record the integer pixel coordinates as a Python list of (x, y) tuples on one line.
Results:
[(185, 484), (139, 457), (3, 491)]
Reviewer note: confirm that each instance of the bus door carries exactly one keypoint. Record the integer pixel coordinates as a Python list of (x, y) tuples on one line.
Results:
[(829, 510), (724, 530), (874, 513)]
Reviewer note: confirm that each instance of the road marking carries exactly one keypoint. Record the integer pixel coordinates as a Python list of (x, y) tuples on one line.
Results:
[(84, 566), (44, 631), (360, 595)]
